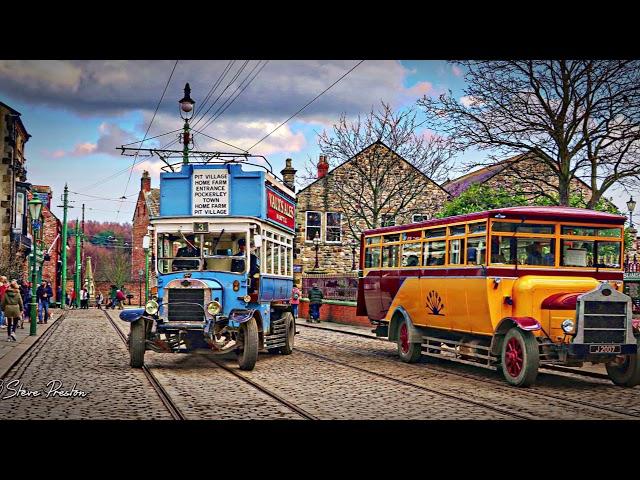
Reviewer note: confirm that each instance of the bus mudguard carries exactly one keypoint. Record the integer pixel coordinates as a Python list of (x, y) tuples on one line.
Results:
[(241, 316), (131, 315), (524, 323), (415, 335)]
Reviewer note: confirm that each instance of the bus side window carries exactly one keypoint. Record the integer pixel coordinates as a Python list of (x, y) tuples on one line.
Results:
[(476, 251)]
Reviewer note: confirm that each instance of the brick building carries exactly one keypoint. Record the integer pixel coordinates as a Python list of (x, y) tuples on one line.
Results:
[(50, 234), (318, 212), (147, 206), (15, 241)]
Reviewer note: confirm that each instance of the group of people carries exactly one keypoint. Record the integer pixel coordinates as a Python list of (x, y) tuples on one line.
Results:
[(15, 303), (116, 298), (315, 302)]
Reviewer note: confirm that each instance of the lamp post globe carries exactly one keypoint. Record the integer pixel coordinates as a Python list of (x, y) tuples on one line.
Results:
[(186, 103), (35, 210), (631, 205)]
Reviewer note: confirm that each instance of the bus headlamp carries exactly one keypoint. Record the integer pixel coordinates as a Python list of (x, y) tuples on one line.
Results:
[(247, 298), (567, 326), (214, 308), (151, 307)]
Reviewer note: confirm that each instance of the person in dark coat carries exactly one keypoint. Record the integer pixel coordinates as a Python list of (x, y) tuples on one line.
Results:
[(12, 307), (43, 294), (189, 250), (315, 302)]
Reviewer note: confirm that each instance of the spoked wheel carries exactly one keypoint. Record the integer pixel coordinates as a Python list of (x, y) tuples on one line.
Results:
[(248, 353), (408, 352), (624, 370), (137, 343), (520, 357)]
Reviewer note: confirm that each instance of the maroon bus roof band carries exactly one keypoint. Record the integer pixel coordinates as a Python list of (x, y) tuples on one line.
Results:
[(516, 213)]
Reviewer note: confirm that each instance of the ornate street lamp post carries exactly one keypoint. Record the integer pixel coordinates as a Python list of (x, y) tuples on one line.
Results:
[(140, 276), (146, 244), (35, 209), (353, 244), (631, 205), (316, 243), (186, 113)]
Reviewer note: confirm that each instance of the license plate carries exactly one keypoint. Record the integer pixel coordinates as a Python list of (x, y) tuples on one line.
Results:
[(604, 349)]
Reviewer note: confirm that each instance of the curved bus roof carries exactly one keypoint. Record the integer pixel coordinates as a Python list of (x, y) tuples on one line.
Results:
[(564, 214)]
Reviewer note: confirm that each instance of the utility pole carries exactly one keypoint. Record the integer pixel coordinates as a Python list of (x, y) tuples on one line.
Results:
[(78, 264), (65, 205), (82, 244), (186, 112)]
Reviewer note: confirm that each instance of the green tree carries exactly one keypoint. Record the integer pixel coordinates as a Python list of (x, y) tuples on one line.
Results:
[(480, 197)]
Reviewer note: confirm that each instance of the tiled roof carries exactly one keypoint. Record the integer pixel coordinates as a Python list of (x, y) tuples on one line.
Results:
[(152, 199), (459, 185)]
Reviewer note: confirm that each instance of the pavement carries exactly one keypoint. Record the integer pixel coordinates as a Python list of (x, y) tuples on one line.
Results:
[(10, 352)]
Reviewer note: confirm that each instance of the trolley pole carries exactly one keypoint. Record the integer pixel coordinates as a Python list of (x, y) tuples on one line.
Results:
[(63, 275), (78, 264)]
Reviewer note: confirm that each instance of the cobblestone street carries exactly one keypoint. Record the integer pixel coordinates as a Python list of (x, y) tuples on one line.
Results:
[(330, 375)]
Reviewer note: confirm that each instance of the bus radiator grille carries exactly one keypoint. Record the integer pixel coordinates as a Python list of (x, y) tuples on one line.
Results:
[(185, 304)]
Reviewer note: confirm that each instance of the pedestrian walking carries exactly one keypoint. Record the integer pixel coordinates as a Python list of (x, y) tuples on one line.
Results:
[(295, 300), (315, 302), (43, 294), (73, 299), (12, 307), (99, 300), (84, 299), (4, 285), (26, 301), (113, 293), (120, 297)]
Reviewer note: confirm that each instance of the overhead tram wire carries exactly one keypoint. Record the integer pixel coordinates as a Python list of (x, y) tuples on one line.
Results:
[(305, 106), (217, 115), (236, 75), (151, 138), (213, 88), (147, 132)]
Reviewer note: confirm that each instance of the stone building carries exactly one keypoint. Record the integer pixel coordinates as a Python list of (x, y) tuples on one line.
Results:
[(147, 206), (15, 241), (318, 213), (519, 174)]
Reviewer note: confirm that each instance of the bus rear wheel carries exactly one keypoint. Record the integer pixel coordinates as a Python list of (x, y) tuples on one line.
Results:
[(248, 354), (520, 357), (625, 371), (408, 352), (137, 343)]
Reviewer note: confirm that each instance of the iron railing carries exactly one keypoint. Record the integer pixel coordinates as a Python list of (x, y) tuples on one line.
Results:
[(334, 287)]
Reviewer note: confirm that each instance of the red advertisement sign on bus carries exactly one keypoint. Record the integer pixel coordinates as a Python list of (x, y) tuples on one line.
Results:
[(280, 210)]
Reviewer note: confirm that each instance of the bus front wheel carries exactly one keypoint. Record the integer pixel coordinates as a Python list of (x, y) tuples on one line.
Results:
[(625, 371), (520, 357), (137, 343), (248, 354), (408, 352)]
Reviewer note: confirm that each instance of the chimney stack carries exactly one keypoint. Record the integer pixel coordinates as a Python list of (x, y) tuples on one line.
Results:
[(145, 182), (323, 166), (289, 175)]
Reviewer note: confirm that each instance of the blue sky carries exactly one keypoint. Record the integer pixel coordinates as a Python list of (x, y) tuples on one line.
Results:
[(77, 112)]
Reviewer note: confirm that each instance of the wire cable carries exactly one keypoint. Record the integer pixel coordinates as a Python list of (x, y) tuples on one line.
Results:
[(147, 132), (215, 85), (309, 103)]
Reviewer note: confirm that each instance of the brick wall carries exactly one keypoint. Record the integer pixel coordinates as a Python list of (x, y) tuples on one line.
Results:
[(345, 314), (51, 229)]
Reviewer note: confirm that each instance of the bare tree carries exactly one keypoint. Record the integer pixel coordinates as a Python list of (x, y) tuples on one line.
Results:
[(579, 118), (377, 182), (116, 268)]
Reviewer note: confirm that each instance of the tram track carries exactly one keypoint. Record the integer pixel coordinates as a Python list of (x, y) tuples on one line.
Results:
[(166, 400), (174, 410), (475, 378)]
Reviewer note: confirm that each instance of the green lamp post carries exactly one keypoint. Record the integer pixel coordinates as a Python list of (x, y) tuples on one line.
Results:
[(35, 209), (146, 244), (186, 112)]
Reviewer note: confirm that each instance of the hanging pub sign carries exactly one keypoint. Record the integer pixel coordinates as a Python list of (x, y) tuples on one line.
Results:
[(280, 210), (210, 192)]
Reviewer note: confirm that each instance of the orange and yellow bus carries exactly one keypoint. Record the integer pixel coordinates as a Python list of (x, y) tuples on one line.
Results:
[(510, 289)]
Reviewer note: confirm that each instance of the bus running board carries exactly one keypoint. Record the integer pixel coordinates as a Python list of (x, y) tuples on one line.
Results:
[(435, 347)]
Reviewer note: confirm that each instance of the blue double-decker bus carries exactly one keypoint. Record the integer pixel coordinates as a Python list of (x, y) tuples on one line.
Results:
[(224, 263)]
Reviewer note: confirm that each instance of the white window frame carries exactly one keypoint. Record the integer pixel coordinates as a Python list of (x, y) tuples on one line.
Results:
[(413, 217), (326, 228), (276, 241), (306, 225)]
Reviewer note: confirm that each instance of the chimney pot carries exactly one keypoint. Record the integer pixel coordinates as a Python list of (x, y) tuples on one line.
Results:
[(145, 182)]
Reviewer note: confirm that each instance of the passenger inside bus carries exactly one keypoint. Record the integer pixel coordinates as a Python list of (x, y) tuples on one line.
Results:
[(237, 265)]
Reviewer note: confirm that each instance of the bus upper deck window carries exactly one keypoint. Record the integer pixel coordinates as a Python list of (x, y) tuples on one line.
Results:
[(519, 227), (457, 230), (434, 233), (480, 227)]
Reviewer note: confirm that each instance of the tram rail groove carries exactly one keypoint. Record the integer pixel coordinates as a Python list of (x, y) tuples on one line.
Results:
[(264, 390), (557, 368), (171, 407), (419, 387), (31, 352), (474, 378)]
